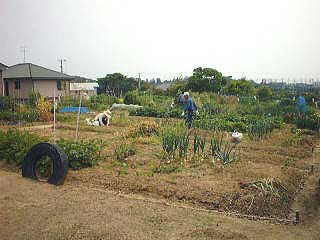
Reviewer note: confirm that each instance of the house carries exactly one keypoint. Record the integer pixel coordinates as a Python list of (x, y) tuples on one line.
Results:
[(81, 84), (2, 68), (22, 79), (89, 87)]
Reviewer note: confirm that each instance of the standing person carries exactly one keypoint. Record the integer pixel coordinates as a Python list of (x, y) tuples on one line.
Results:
[(302, 105), (190, 108)]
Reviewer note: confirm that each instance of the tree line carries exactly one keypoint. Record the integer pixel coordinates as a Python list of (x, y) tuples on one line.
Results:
[(202, 80)]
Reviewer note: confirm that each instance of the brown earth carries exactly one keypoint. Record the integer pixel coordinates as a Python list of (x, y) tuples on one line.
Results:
[(34, 210)]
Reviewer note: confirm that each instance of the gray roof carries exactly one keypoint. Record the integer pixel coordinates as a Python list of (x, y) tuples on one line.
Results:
[(78, 79), (3, 67), (32, 71)]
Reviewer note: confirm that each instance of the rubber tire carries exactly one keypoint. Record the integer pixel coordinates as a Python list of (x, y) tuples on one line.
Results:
[(59, 158)]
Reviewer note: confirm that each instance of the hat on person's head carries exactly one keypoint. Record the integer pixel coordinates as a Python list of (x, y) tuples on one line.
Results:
[(186, 94), (107, 113)]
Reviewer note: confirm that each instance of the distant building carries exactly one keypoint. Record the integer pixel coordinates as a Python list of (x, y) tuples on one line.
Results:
[(22, 79), (87, 87)]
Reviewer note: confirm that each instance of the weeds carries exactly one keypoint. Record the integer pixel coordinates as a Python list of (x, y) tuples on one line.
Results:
[(145, 129), (122, 151), (14, 145)]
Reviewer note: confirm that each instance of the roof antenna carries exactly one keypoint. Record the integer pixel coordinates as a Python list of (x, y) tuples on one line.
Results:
[(24, 50), (61, 64)]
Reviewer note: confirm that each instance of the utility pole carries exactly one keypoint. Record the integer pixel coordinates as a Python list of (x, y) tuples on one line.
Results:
[(139, 80), (23, 49), (61, 64)]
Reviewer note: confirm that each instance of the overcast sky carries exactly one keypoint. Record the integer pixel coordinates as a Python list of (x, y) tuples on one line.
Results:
[(165, 38)]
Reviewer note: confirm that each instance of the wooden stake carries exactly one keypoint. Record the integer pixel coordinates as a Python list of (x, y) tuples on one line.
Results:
[(78, 117), (54, 116), (297, 220)]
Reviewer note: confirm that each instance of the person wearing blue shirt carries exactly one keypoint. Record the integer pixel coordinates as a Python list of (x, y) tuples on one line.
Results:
[(190, 108), (302, 105)]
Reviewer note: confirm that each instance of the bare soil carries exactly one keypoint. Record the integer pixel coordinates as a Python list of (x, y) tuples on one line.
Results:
[(34, 210)]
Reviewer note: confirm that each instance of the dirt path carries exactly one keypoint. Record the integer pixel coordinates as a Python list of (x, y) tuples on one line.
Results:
[(33, 210)]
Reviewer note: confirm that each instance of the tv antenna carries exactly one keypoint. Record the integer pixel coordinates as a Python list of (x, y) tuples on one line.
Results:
[(24, 50), (61, 64)]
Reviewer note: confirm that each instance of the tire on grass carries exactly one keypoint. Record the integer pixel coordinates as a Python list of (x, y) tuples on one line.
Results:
[(55, 153)]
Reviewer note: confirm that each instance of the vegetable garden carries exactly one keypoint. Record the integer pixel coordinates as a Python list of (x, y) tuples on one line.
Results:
[(150, 151)]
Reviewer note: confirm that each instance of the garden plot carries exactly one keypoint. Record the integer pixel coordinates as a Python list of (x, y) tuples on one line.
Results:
[(262, 180)]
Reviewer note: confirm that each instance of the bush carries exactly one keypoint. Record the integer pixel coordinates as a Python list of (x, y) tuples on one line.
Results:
[(101, 102), (31, 115), (132, 98), (147, 99), (311, 122), (6, 104), (84, 153), (158, 113), (14, 145)]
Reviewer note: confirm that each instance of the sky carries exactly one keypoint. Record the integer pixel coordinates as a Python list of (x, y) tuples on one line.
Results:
[(166, 38)]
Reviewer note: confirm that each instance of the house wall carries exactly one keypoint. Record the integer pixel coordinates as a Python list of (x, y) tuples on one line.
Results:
[(23, 92), (44, 87), (1, 84), (89, 92)]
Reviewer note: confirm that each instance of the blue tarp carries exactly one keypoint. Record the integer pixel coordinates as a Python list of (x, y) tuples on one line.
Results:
[(74, 110)]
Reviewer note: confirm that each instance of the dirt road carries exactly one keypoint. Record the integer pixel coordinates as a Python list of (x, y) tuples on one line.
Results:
[(33, 210)]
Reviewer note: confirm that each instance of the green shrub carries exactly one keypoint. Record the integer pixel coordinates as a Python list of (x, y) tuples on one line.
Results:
[(101, 102), (311, 122), (6, 103), (84, 153), (14, 145), (147, 99), (158, 113)]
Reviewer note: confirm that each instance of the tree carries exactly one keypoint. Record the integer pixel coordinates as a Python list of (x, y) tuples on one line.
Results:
[(206, 80), (264, 93), (176, 86), (240, 87), (116, 84)]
